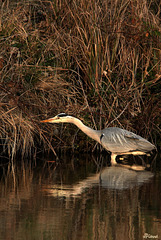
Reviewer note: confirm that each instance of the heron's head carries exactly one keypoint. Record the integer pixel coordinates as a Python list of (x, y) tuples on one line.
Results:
[(60, 118)]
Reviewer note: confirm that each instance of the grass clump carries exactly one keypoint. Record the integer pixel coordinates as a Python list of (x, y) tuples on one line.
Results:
[(98, 60)]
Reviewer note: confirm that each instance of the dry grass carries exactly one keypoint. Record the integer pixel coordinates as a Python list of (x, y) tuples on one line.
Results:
[(98, 60)]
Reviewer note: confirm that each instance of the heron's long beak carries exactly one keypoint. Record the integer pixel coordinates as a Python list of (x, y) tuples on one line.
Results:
[(50, 120)]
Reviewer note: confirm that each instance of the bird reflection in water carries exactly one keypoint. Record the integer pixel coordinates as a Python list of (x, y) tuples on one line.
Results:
[(115, 177)]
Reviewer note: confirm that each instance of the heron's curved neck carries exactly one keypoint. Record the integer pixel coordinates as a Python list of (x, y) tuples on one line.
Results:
[(94, 134)]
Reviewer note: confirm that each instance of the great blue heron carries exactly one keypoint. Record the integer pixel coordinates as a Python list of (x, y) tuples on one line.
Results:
[(115, 140)]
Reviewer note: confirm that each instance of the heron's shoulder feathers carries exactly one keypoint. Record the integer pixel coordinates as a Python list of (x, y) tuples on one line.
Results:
[(116, 131)]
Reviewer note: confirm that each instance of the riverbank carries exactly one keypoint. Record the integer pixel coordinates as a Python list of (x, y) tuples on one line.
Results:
[(99, 61)]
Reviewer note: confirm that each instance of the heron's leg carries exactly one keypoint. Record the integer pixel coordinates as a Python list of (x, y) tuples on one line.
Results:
[(113, 159)]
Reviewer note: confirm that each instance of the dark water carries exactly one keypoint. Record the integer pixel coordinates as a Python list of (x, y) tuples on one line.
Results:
[(75, 201)]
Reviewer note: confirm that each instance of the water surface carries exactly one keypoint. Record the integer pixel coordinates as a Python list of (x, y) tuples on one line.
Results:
[(80, 200)]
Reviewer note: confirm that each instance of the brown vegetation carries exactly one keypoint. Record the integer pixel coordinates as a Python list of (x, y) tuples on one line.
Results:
[(97, 60)]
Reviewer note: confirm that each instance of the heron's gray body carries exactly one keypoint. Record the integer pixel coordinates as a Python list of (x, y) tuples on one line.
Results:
[(120, 141)]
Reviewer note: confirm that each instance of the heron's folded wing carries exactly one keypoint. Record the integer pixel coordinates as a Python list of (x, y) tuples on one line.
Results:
[(141, 143), (120, 140), (116, 142)]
